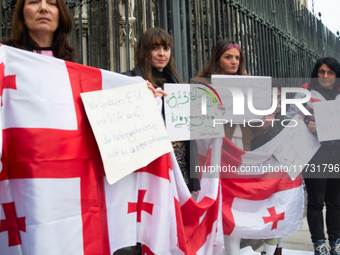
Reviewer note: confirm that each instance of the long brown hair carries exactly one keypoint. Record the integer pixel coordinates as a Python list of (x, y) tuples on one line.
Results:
[(213, 65), (60, 46), (153, 36)]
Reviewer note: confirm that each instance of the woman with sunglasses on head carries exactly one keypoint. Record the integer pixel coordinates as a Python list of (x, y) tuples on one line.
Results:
[(322, 187), (227, 59)]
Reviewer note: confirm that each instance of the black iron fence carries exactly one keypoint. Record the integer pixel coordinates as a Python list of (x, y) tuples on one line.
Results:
[(279, 38)]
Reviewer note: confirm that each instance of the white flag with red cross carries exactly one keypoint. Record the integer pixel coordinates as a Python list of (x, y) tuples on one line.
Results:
[(52, 179), (54, 197), (157, 210), (201, 218), (257, 205)]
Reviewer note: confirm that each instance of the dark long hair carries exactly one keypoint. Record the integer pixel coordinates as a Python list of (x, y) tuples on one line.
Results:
[(153, 36), (333, 64), (213, 65), (60, 46)]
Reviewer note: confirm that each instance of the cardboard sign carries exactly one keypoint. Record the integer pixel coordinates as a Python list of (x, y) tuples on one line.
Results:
[(297, 149), (260, 87), (128, 128), (327, 120), (183, 112)]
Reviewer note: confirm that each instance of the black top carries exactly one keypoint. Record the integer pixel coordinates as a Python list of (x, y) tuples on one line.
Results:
[(328, 94), (31, 48), (260, 140), (161, 77)]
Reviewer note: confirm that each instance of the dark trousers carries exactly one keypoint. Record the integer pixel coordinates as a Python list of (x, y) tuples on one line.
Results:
[(321, 191)]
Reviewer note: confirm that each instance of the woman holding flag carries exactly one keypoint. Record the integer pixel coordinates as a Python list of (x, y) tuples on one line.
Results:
[(227, 59), (155, 63), (43, 26)]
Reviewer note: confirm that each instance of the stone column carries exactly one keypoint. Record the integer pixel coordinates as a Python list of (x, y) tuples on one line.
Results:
[(123, 33), (84, 29)]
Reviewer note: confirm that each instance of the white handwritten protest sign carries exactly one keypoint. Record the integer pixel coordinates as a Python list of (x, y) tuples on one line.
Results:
[(128, 128), (183, 112), (261, 94), (327, 120), (297, 149)]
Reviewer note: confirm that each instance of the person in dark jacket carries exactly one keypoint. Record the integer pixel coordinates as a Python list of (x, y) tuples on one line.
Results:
[(323, 186), (155, 63)]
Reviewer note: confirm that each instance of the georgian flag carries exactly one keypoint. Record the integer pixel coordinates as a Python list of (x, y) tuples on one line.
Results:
[(52, 179), (202, 219), (145, 203), (258, 205), (157, 210), (54, 196)]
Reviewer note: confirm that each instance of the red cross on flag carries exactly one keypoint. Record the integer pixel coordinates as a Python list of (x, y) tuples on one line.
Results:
[(273, 217), (12, 224), (140, 206)]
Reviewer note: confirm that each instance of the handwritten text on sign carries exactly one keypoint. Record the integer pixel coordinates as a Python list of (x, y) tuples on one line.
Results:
[(327, 120), (128, 128), (183, 113), (297, 149)]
